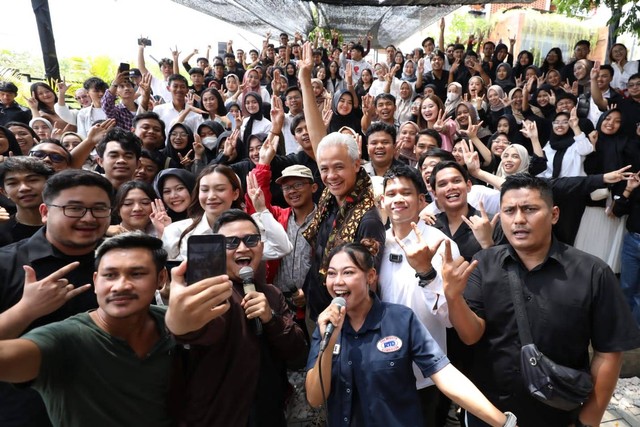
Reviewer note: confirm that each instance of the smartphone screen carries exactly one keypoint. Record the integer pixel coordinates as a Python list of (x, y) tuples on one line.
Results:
[(123, 67), (206, 257)]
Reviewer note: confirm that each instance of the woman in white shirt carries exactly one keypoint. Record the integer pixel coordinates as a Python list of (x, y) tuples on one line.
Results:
[(218, 189), (567, 147)]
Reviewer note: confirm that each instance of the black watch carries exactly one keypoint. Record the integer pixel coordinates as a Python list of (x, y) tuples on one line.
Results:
[(426, 278)]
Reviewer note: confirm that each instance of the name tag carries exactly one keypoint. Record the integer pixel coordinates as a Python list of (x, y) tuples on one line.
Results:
[(336, 349), (389, 344)]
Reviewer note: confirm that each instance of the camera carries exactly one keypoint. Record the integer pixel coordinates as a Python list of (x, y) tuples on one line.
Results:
[(143, 41)]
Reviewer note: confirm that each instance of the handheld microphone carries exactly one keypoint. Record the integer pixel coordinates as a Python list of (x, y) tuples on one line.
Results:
[(340, 302), (246, 274)]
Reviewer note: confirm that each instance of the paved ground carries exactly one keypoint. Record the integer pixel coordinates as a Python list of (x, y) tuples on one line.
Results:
[(623, 411)]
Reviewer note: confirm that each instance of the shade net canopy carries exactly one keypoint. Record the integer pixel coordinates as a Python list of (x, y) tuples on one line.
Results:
[(389, 21)]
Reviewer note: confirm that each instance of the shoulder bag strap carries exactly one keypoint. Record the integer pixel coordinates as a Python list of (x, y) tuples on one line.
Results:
[(515, 286)]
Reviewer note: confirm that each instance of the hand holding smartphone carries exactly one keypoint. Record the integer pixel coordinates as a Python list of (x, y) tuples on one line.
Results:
[(206, 257)]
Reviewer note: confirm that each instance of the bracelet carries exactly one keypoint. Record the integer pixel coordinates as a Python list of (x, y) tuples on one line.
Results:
[(426, 278), (512, 420)]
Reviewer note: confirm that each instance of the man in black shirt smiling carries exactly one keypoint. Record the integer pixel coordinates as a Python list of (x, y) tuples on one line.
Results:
[(572, 300)]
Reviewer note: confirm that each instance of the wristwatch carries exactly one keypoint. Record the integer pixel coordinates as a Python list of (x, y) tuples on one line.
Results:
[(426, 278), (512, 420)]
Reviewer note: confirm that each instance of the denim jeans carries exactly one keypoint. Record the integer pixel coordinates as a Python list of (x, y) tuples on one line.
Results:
[(630, 272)]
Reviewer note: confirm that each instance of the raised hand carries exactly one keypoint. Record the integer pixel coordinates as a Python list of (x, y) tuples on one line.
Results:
[(230, 144), (348, 73), (455, 273), (175, 53), (198, 147), (98, 131), (595, 70), (186, 160), (268, 149), (62, 86), (419, 254), (529, 129), (255, 192), (305, 64), (159, 217), (470, 157), (277, 114), (44, 296), (574, 121), (481, 227), (439, 124), (145, 83)]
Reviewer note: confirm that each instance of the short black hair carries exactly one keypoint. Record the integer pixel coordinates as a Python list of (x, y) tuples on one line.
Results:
[(444, 165), (382, 127), (154, 156), (54, 142), (129, 141), (177, 77), (150, 115), (582, 43), (358, 47), (165, 61), (196, 70), (72, 178), (607, 67), (202, 58), (524, 180), (433, 134), (438, 153), (404, 171), (297, 119), (428, 39), (24, 164), (95, 83), (386, 96), (131, 240), (233, 215), (440, 54)]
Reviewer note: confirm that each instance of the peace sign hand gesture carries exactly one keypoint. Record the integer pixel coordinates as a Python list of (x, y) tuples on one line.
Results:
[(419, 254)]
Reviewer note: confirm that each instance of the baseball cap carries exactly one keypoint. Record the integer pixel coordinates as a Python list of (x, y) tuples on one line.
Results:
[(297, 171)]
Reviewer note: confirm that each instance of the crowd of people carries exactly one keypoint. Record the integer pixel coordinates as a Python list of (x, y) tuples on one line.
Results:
[(382, 206)]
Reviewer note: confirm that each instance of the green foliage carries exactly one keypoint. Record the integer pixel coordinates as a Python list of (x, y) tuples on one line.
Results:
[(629, 18), (463, 24)]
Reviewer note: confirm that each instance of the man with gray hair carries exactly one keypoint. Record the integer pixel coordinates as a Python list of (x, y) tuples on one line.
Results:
[(346, 213)]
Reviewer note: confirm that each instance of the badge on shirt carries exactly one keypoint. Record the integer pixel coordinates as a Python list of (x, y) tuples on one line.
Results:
[(389, 344), (336, 349)]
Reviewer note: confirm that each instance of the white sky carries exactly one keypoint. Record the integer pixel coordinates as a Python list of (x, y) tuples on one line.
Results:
[(112, 27)]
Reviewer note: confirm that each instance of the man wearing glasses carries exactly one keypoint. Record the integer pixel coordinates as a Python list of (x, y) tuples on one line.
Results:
[(76, 212), (52, 153), (236, 377)]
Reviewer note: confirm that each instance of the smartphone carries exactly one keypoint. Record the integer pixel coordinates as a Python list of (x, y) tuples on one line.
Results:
[(206, 257), (144, 42), (123, 67)]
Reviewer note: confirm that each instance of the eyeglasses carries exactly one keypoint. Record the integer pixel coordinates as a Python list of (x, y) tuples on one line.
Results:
[(178, 134), (560, 122), (54, 157), (75, 211), (294, 186), (250, 241)]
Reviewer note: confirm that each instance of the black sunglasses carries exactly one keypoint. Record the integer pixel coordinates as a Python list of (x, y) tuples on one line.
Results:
[(55, 157), (250, 241)]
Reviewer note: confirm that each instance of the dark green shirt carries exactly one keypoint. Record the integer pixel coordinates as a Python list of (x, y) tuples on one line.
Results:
[(90, 378)]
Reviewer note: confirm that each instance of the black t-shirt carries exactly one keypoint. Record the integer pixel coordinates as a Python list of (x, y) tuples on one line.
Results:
[(572, 300), (14, 231)]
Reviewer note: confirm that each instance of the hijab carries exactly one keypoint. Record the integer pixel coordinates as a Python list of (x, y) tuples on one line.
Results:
[(171, 152), (507, 83), (560, 143), (524, 161), (242, 147), (351, 120), (184, 176)]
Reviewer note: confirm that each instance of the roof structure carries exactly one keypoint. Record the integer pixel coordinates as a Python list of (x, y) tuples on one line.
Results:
[(389, 21)]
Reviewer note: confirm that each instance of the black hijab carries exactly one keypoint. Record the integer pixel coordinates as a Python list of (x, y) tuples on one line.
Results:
[(242, 148), (184, 176), (171, 152), (560, 143), (351, 120)]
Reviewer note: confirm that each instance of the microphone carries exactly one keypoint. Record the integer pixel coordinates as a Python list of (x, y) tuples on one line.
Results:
[(246, 274), (340, 302)]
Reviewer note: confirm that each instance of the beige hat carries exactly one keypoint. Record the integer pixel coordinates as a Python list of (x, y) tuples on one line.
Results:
[(297, 171)]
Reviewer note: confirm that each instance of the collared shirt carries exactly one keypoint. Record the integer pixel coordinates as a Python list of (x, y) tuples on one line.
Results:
[(169, 114), (372, 368), (294, 267), (572, 300), (87, 116), (464, 236), (124, 117), (399, 285)]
